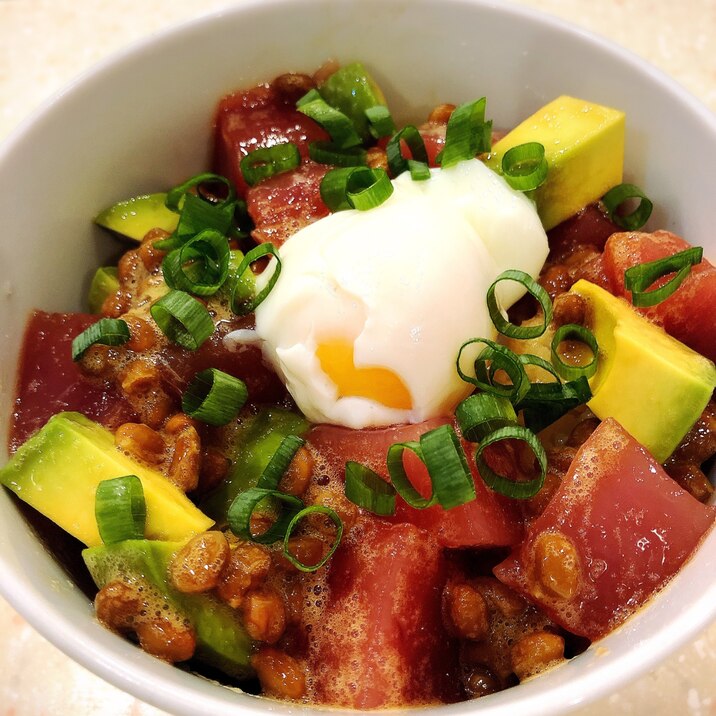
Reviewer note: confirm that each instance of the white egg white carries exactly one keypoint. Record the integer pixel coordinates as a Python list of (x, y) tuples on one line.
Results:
[(405, 283)]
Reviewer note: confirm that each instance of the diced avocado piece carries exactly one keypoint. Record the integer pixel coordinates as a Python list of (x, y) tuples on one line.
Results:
[(352, 91), (255, 440), (652, 384), (584, 148), (58, 469), (134, 217), (221, 639), (104, 283)]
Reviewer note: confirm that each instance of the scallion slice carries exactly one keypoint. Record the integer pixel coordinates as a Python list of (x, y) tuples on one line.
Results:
[(312, 509), (198, 215), (531, 359), (107, 331), (380, 121), (397, 163), (467, 135), (399, 477), (268, 161), (175, 195), (120, 509), (419, 171), (369, 490), (501, 323), (359, 188), (545, 403), (447, 466), (638, 279), (200, 266), (214, 397), (570, 371), (483, 413), (502, 484), (243, 302), (279, 462), (340, 128), (616, 196), (499, 358), (182, 319), (524, 166), (244, 504), (328, 153)]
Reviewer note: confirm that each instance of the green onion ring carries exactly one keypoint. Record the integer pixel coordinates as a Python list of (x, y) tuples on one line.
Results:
[(340, 128), (107, 331), (397, 163), (524, 166), (531, 359), (242, 305), (175, 195), (483, 413), (535, 290), (616, 196), (546, 403), (369, 490), (637, 279), (208, 253), (359, 188), (214, 397), (244, 504), (312, 509), (501, 484), (120, 509), (279, 462), (566, 370), (328, 153), (400, 480), (268, 161), (183, 319), (467, 134)]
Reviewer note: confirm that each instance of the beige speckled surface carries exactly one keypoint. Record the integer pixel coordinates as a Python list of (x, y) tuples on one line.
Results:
[(46, 43)]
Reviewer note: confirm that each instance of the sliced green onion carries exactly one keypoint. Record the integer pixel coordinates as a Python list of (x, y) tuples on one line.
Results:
[(545, 403), (369, 490), (467, 135), (244, 504), (196, 216), (637, 279), (359, 188), (533, 288), (279, 462), (268, 161), (397, 163), (419, 171), (182, 319), (120, 509), (175, 195), (400, 480), (531, 359), (447, 466), (502, 484), (107, 331), (380, 121), (340, 128), (312, 509), (616, 196), (525, 166), (104, 283), (569, 371), (200, 266), (241, 303), (500, 358), (214, 397), (482, 414), (328, 153)]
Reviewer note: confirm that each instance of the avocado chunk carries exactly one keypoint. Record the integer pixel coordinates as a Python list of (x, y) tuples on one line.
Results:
[(58, 469), (352, 91), (221, 640), (652, 384), (252, 445), (584, 148), (134, 217), (104, 283)]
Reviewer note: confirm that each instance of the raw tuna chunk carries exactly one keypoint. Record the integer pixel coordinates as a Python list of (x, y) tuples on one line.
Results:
[(617, 529)]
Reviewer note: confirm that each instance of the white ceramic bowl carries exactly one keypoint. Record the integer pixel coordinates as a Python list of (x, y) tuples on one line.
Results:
[(142, 121)]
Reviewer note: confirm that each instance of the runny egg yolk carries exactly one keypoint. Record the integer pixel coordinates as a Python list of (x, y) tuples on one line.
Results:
[(375, 383)]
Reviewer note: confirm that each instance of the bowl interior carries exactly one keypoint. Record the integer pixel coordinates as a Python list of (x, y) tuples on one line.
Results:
[(141, 122)]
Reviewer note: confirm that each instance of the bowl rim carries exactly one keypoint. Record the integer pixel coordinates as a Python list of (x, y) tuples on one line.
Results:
[(123, 665)]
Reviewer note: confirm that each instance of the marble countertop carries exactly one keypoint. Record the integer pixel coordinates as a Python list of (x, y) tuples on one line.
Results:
[(45, 43)]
